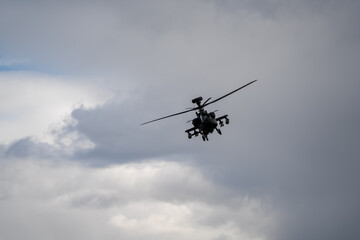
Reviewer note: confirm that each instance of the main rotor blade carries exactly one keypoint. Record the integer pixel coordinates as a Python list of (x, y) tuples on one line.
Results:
[(199, 107), (228, 93), (169, 116)]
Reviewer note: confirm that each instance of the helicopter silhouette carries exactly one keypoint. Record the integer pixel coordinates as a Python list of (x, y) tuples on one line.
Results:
[(204, 123)]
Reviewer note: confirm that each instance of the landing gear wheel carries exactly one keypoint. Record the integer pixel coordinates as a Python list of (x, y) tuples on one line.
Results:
[(227, 121), (203, 137)]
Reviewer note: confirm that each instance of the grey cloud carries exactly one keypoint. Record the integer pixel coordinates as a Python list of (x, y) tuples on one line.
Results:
[(28, 147), (2, 149), (293, 137), (118, 137)]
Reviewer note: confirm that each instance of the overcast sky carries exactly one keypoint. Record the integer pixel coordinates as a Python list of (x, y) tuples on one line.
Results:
[(78, 77)]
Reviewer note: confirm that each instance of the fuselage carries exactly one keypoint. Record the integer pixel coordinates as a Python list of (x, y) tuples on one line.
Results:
[(205, 122)]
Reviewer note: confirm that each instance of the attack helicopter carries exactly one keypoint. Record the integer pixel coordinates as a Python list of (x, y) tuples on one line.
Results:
[(204, 123)]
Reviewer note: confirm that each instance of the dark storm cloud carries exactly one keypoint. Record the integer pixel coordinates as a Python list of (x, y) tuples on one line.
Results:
[(115, 130), (294, 136)]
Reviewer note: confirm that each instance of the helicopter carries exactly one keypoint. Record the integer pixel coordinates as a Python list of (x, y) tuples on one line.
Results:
[(204, 123)]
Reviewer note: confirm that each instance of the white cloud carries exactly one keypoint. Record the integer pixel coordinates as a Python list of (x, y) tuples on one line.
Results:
[(191, 219), (32, 103), (132, 200)]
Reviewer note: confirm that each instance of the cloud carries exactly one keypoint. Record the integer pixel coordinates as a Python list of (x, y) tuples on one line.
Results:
[(119, 200), (32, 103), (28, 147), (293, 138)]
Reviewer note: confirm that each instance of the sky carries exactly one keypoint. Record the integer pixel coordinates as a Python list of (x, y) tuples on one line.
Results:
[(77, 78)]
